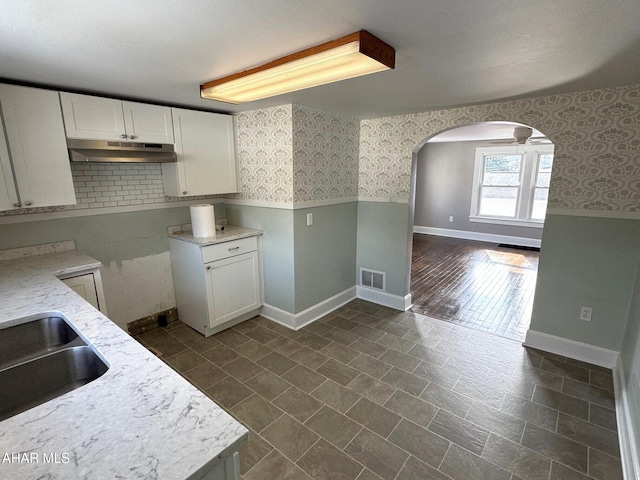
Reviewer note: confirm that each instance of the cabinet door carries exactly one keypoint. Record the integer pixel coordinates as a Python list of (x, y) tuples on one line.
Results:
[(37, 146), (8, 192), (147, 123), (84, 285), (233, 287), (205, 147), (91, 117)]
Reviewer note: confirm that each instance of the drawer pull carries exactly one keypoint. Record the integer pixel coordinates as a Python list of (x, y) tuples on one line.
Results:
[(233, 248), (209, 267)]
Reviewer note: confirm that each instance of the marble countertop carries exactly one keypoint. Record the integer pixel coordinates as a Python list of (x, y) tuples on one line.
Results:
[(139, 420), (231, 232)]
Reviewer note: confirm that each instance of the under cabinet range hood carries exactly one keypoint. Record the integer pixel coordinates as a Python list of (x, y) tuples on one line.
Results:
[(100, 151)]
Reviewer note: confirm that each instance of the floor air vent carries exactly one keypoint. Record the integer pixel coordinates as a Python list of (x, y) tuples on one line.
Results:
[(372, 279)]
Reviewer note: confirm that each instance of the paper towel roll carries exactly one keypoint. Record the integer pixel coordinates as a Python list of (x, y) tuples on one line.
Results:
[(203, 221)]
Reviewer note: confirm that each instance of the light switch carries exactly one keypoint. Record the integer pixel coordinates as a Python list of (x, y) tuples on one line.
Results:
[(309, 219)]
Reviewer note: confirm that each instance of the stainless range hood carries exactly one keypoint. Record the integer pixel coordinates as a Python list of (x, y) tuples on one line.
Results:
[(95, 151)]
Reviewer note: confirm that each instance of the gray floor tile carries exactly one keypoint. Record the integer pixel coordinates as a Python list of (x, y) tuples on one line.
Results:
[(157, 335), (253, 350), (341, 336), (339, 352), (420, 442), (446, 399), (267, 384), (560, 472), (495, 421), (252, 451), (170, 346), (275, 466), (565, 369), (336, 396), (367, 332), (370, 366), (414, 469), (262, 334), (201, 343), (276, 363), (333, 426), (461, 464), (368, 347), (309, 358), (242, 369), (376, 418), (557, 447), (256, 412), (291, 437), (603, 417), (323, 461), (185, 360), (367, 474), (562, 402), (298, 404), (337, 371), (591, 394), (603, 466), (231, 338), (479, 390), (588, 434), (399, 360), (436, 374), (517, 459), (405, 381), (220, 355), (228, 392), (601, 380), (377, 454), (459, 431), (411, 408), (303, 378), (375, 390), (396, 343), (313, 341), (204, 375), (429, 355), (539, 415)]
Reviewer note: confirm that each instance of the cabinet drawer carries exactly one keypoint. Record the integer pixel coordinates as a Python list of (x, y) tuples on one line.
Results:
[(211, 253)]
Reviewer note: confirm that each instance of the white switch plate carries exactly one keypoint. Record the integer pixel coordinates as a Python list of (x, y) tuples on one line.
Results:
[(309, 219), (585, 313), (450, 218)]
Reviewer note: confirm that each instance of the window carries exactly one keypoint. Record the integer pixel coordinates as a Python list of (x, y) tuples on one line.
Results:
[(511, 184)]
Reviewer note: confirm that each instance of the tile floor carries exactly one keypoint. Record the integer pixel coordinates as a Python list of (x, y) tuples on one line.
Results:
[(370, 393)]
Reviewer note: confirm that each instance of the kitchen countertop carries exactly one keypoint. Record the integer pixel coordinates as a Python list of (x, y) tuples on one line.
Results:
[(231, 232), (139, 420)]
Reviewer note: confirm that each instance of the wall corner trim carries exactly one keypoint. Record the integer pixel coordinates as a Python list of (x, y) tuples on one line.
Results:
[(626, 435), (583, 352), (481, 237), (385, 299), (296, 321)]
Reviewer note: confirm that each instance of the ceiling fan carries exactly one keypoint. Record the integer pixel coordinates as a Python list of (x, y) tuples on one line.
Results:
[(522, 136)]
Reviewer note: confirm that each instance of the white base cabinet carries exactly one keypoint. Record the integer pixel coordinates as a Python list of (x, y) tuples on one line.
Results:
[(87, 284), (216, 285)]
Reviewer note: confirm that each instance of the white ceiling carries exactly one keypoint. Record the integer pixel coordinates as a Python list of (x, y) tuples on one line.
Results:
[(448, 52)]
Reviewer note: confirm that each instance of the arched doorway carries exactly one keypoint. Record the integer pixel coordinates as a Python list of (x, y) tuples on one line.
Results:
[(478, 206)]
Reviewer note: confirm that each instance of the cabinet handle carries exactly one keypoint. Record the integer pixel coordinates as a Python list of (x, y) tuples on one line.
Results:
[(17, 205), (132, 137), (233, 248), (123, 135), (209, 267), (27, 203), (184, 193)]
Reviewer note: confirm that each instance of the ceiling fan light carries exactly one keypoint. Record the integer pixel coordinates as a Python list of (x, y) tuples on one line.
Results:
[(347, 57)]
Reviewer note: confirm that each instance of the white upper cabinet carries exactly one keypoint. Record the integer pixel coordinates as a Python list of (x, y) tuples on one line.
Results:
[(98, 118), (205, 146), (34, 162)]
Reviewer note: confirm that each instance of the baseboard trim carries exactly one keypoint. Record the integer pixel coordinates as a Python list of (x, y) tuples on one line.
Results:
[(481, 237), (296, 321), (626, 434), (383, 298), (571, 349)]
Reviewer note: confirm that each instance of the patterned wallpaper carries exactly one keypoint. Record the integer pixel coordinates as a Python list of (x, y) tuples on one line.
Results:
[(325, 155), (596, 136), (265, 154)]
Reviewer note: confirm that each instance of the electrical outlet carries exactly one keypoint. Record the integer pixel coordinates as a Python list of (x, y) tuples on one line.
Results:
[(450, 218), (309, 219), (585, 314)]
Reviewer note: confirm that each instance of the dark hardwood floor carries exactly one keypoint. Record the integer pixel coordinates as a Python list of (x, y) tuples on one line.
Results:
[(475, 284)]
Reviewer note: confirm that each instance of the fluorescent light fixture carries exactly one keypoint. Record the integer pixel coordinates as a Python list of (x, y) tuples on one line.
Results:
[(347, 57)]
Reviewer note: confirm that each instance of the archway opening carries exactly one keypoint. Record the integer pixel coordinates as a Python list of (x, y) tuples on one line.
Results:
[(479, 196)]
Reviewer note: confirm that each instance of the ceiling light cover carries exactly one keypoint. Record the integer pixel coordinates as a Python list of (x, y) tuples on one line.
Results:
[(347, 57)]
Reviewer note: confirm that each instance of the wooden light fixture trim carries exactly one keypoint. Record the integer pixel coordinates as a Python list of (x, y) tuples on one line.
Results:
[(369, 45)]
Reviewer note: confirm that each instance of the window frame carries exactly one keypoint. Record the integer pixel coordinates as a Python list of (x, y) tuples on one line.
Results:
[(526, 189)]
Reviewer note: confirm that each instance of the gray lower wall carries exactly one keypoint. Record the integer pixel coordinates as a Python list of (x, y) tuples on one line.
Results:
[(586, 261), (383, 242), (444, 182), (631, 363), (277, 250), (325, 252)]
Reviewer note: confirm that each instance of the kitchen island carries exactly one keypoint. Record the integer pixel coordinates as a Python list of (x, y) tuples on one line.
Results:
[(138, 420)]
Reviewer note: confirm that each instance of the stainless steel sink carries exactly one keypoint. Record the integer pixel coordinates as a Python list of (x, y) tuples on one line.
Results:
[(37, 381), (35, 338), (41, 359)]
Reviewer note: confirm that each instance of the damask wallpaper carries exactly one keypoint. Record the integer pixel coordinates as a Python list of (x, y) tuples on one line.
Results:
[(325, 156), (596, 136), (294, 154)]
